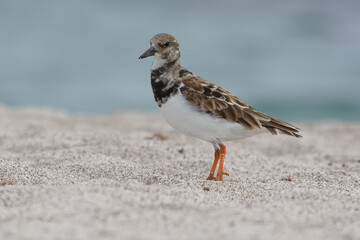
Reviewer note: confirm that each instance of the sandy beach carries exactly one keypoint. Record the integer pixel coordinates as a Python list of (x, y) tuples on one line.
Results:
[(131, 176)]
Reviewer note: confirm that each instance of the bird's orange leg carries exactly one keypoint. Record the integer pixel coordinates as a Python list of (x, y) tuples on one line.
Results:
[(220, 173), (213, 168)]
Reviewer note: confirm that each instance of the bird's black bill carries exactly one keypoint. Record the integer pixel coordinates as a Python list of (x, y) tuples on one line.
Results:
[(150, 52)]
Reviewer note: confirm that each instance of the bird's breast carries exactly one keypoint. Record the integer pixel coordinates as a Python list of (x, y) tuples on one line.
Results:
[(163, 86), (190, 121)]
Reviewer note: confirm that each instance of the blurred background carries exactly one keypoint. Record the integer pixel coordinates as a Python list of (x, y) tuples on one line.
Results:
[(296, 60)]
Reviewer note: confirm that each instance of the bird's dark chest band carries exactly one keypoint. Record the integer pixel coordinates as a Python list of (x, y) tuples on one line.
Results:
[(162, 87)]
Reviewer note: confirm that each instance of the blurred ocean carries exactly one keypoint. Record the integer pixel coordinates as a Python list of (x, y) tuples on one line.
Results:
[(290, 59)]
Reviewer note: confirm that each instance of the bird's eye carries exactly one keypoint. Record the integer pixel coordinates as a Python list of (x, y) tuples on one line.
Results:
[(164, 45)]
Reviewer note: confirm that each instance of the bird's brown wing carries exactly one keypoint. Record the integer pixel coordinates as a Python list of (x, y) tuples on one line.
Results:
[(212, 99)]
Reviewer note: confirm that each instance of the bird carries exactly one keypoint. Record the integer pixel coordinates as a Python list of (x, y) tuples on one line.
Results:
[(202, 109)]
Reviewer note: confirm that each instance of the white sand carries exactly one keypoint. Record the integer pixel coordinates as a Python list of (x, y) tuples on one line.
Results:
[(86, 178)]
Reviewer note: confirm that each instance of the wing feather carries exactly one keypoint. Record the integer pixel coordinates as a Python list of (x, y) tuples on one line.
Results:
[(210, 98)]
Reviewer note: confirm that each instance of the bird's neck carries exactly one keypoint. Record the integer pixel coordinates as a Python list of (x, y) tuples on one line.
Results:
[(166, 63), (164, 80)]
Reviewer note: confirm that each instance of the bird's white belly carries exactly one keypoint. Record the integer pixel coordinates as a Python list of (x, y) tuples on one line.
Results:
[(185, 118)]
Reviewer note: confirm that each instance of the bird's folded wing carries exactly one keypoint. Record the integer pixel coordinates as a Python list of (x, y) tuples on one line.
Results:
[(214, 100)]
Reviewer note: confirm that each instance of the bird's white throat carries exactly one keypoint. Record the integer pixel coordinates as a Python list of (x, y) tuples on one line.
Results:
[(173, 59), (158, 62)]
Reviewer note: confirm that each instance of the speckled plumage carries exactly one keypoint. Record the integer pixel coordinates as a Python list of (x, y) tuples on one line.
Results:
[(200, 108)]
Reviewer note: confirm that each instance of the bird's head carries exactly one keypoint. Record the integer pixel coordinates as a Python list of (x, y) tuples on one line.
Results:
[(163, 47)]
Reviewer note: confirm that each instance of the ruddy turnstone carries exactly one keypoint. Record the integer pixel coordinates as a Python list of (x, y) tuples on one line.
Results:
[(200, 108)]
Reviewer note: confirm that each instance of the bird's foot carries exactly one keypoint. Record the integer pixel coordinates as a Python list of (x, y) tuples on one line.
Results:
[(210, 177), (219, 177)]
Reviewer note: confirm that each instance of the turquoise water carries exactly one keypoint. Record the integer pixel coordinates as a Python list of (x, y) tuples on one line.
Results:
[(294, 60)]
